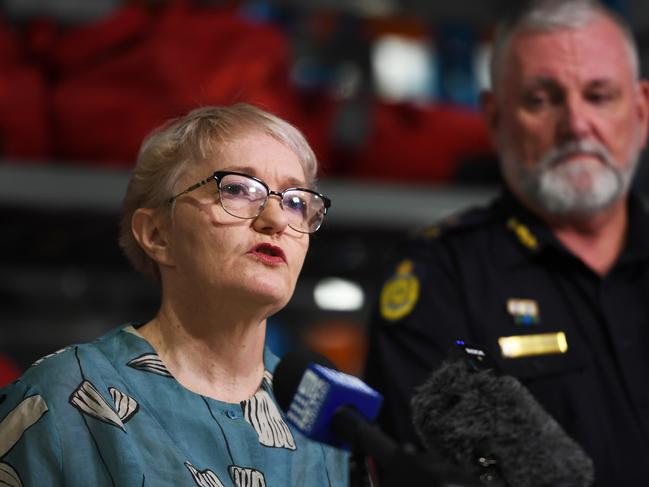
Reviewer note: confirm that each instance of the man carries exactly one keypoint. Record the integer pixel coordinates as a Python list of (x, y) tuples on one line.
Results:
[(561, 259)]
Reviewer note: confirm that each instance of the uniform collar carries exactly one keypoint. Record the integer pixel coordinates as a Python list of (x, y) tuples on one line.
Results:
[(530, 235), (637, 242)]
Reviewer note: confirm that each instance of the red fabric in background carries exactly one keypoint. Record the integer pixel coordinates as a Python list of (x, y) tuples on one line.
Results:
[(9, 372), (124, 76), (24, 125), (419, 143), (89, 94)]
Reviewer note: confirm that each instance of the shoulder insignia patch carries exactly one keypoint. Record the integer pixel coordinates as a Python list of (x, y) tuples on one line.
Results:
[(524, 235), (400, 293), (435, 230), (429, 232), (468, 219)]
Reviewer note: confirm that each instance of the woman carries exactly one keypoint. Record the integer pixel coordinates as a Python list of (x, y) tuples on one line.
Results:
[(218, 213)]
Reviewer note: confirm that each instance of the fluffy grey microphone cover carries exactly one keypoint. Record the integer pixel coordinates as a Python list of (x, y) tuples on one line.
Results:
[(466, 414)]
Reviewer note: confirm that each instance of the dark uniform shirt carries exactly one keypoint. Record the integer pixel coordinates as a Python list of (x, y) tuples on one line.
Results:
[(499, 272)]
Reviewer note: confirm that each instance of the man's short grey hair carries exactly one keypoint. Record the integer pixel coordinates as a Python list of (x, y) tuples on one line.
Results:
[(552, 15), (196, 137)]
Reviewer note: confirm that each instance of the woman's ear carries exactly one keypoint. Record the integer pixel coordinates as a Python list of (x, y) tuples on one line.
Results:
[(150, 230)]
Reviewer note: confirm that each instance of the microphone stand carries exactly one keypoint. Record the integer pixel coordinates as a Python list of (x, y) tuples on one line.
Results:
[(397, 466)]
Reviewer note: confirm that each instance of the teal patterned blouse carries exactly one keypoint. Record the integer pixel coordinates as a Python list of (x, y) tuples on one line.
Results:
[(109, 413)]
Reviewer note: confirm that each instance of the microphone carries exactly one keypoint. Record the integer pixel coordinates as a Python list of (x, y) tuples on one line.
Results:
[(491, 426), (316, 398), (337, 409)]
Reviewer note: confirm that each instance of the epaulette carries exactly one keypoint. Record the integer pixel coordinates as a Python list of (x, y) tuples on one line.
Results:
[(464, 220), (523, 234)]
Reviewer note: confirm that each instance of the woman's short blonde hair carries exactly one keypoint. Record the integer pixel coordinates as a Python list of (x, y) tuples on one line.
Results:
[(196, 137)]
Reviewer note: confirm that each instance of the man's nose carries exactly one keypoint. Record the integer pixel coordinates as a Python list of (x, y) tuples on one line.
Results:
[(574, 120)]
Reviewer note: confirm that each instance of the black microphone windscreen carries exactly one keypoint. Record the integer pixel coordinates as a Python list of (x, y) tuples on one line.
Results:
[(289, 372), (467, 414)]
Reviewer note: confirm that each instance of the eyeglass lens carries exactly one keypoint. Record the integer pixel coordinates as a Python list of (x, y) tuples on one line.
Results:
[(244, 197)]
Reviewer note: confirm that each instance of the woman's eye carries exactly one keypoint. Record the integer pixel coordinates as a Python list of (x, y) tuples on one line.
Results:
[(296, 203), (235, 189)]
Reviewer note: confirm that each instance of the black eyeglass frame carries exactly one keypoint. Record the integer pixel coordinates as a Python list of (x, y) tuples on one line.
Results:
[(219, 175)]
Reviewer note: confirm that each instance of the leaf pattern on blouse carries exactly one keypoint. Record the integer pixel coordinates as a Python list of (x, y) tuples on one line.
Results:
[(150, 362), (204, 478), (247, 477), (125, 405), (87, 399), (19, 419), (264, 416), (8, 476), (12, 428)]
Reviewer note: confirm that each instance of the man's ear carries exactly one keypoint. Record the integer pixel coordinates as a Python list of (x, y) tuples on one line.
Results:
[(149, 229), (490, 112), (643, 110)]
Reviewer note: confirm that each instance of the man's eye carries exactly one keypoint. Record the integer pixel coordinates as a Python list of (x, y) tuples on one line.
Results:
[(600, 97), (535, 101)]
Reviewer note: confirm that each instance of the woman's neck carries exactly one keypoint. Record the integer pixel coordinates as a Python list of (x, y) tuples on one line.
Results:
[(209, 353)]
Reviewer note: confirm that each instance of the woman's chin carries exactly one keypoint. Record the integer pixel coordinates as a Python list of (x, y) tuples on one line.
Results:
[(269, 293)]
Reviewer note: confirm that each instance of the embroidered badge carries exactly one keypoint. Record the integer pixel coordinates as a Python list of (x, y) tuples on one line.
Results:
[(524, 311), (400, 293), (524, 235)]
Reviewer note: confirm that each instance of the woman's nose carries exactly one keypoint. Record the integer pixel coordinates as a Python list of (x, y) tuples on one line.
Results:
[(273, 218)]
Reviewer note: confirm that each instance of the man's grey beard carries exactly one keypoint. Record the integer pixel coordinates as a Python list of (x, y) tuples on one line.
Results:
[(554, 184)]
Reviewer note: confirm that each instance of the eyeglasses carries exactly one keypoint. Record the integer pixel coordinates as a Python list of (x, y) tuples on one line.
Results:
[(245, 197)]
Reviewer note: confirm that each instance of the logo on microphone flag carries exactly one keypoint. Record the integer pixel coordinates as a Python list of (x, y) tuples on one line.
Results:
[(320, 393)]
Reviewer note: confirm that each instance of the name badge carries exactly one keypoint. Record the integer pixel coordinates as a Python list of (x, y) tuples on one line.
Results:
[(530, 345)]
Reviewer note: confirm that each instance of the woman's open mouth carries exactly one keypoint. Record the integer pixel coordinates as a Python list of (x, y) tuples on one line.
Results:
[(268, 254)]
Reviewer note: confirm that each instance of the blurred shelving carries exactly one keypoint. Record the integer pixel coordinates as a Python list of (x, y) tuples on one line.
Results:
[(358, 204)]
